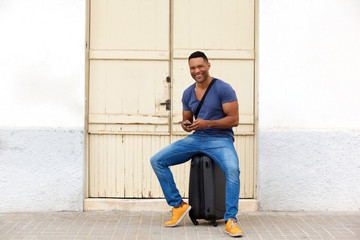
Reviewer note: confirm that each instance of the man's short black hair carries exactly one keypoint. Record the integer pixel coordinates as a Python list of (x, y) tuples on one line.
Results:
[(198, 54)]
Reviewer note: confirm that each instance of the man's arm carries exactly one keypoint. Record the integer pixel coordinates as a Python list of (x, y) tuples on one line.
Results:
[(231, 109)]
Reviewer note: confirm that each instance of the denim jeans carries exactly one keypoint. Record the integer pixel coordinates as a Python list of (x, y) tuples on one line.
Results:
[(220, 149)]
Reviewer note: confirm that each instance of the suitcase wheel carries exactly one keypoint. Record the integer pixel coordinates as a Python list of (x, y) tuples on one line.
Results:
[(192, 218), (195, 222), (214, 223)]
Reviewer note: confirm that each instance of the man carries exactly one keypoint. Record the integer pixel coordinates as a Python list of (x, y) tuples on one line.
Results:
[(213, 136)]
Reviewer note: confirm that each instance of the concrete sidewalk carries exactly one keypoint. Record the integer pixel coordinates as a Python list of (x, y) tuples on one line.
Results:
[(149, 225)]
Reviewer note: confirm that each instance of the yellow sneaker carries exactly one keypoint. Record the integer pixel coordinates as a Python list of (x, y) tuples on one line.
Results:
[(232, 229), (177, 215)]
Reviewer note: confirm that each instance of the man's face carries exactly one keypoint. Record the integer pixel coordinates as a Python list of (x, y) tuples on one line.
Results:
[(199, 69)]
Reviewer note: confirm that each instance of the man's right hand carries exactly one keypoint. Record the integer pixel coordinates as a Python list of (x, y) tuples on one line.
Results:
[(187, 119), (185, 125)]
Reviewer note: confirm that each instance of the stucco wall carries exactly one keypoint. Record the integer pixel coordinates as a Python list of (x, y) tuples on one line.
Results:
[(42, 104), (309, 170), (41, 169), (309, 122)]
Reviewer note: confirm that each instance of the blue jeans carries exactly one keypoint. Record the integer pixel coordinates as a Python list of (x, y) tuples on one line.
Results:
[(220, 149)]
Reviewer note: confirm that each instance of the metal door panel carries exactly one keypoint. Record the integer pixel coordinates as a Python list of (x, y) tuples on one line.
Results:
[(129, 64), (224, 30), (134, 46)]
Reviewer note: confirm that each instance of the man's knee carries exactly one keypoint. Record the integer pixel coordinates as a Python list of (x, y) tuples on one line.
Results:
[(158, 161), (154, 161)]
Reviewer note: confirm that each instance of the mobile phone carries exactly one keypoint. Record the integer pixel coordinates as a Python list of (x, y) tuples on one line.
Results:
[(187, 124)]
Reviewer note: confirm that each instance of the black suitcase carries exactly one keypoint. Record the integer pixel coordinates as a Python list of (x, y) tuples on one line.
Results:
[(206, 190)]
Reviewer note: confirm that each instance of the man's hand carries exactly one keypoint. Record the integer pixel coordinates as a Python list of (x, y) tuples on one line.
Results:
[(185, 125), (187, 119), (198, 124), (231, 109)]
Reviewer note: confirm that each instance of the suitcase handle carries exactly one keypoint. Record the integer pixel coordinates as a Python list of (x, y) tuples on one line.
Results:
[(207, 164)]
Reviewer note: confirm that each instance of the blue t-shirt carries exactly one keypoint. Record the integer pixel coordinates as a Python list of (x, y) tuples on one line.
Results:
[(220, 93)]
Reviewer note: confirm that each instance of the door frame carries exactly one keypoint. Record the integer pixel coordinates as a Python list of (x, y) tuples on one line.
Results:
[(87, 75), (87, 80)]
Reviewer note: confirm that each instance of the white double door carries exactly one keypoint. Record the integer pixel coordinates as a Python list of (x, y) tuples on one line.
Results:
[(137, 72)]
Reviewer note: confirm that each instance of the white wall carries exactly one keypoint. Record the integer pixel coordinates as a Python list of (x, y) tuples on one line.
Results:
[(42, 63), (42, 85), (309, 117), (309, 58)]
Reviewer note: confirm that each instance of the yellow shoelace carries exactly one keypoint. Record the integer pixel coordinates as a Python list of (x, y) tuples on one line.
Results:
[(233, 224)]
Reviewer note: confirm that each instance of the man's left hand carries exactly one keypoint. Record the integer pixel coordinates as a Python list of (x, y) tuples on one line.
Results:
[(199, 124)]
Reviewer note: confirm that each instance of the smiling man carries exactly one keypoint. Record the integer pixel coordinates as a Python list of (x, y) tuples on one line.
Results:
[(213, 136)]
